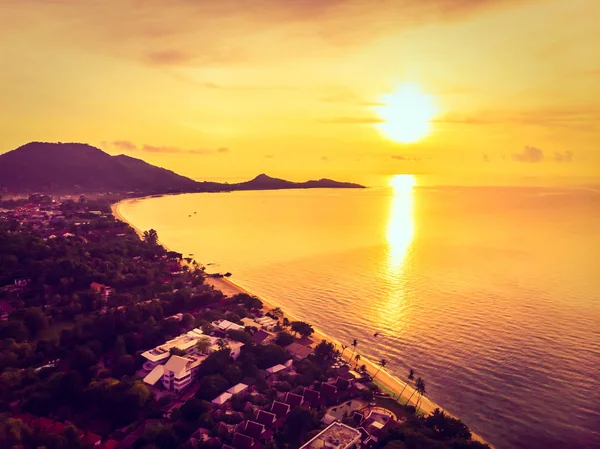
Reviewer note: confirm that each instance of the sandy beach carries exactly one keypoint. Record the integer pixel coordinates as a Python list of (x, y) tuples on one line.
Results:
[(393, 384)]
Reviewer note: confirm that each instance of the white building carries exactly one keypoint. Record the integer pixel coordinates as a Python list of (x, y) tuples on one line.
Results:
[(180, 371), (177, 372)]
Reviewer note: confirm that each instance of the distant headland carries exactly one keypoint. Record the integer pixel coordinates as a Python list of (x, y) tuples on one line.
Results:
[(81, 168)]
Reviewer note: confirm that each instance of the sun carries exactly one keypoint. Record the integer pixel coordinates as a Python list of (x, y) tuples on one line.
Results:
[(406, 114)]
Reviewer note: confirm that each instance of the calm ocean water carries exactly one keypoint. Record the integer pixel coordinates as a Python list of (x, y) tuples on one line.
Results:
[(492, 295)]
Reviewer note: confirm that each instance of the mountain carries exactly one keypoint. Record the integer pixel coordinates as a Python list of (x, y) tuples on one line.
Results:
[(264, 182), (79, 168), (68, 167)]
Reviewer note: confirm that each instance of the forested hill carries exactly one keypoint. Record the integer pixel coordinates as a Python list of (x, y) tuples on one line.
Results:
[(81, 168)]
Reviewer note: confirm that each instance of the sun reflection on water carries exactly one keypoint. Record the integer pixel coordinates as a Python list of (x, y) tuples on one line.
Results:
[(399, 235), (400, 226)]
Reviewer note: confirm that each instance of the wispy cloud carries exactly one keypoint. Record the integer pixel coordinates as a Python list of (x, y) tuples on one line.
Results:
[(533, 155), (399, 157), (584, 118), (565, 156), (352, 120), (529, 154), (233, 32), (128, 146), (124, 145)]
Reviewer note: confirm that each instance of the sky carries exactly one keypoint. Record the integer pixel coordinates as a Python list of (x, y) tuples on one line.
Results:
[(230, 89)]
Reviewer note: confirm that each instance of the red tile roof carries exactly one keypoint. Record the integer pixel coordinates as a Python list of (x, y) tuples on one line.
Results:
[(242, 441), (311, 396), (254, 429), (280, 409), (265, 418), (294, 400)]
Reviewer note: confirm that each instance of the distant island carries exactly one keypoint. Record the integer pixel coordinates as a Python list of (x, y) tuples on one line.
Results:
[(81, 168)]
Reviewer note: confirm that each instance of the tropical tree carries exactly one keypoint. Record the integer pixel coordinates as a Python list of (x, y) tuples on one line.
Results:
[(151, 237), (356, 359), (363, 368), (417, 383), (277, 312), (302, 328), (410, 378), (203, 344), (420, 387), (354, 345), (344, 347), (382, 364), (222, 344)]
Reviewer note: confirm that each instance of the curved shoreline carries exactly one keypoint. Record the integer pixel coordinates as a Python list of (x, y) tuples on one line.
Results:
[(386, 379)]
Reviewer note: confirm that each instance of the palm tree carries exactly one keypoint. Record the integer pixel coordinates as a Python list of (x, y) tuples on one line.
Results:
[(382, 364), (363, 368), (354, 344), (343, 349), (417, 383), (356, 359), (411, 377), (421, 390)]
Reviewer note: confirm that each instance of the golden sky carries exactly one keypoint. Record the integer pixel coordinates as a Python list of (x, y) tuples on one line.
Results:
[(232, 88)]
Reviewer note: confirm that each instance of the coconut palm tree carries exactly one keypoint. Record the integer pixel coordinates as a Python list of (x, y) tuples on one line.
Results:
[(382, 364), (417, 383), (354, 345), (344, 347), (363, 368), (410, 377), (421, 390), (356, 359)]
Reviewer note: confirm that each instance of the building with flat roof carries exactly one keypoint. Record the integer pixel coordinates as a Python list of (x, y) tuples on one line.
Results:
[(335, 436), (184, 342)]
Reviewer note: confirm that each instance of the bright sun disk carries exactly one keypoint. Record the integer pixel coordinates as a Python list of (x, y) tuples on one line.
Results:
[(406, 114)]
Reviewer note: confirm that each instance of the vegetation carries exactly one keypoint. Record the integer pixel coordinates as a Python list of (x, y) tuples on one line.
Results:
[(91, 296)]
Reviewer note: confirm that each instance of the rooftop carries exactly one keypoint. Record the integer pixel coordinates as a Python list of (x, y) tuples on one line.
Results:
[(336, 436)]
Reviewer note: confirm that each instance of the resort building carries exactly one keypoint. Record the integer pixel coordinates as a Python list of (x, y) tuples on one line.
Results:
[(161, 353), (178, 371), (335, 436)]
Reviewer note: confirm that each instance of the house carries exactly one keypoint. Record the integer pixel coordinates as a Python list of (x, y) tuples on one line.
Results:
[(298, 351), (336, 435), (280, 409), (222, 398), (342, 384), (266, 322), (261, 337), (236, 389), (265, 418), (228, 325), (275, 369), (241, 441), (313, 397), (328, 390), (293, 400), (254, 430)]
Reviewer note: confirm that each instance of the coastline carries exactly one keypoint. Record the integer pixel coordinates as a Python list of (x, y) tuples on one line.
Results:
[(384, 378)]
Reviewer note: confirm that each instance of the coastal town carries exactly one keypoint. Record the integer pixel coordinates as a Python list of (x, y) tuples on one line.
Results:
[(109, 340)]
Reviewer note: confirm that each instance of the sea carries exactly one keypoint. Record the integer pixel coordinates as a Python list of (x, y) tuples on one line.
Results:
[(491, 294)]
